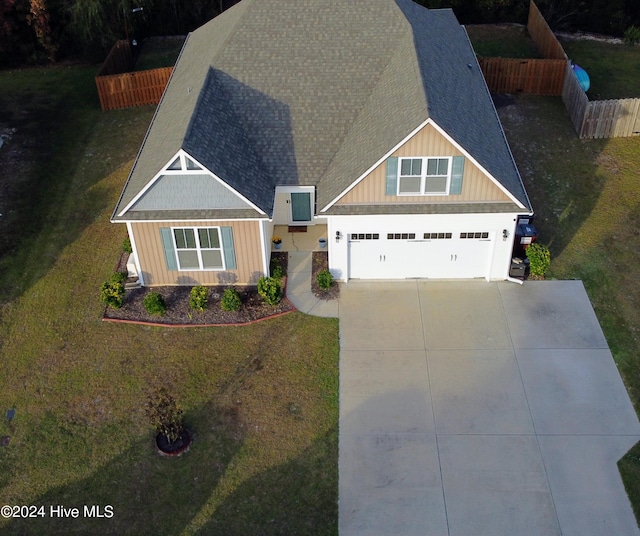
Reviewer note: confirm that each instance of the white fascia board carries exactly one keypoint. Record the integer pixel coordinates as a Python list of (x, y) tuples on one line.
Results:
[(196, 220), (294, 189), (429, 121), (164, 171)]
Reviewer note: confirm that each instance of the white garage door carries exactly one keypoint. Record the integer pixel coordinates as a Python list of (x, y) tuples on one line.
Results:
[(445, 255)]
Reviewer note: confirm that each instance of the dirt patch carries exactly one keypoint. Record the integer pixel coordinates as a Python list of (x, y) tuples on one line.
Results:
[(180, 313), (319, 262)]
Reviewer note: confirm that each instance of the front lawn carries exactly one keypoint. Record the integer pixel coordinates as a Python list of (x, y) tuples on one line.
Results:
[(262, 400)]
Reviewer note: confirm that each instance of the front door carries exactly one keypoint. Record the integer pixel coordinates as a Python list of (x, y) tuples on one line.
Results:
[(300, 208)]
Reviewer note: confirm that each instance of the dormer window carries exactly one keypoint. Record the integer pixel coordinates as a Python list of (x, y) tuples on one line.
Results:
[(424, 176)]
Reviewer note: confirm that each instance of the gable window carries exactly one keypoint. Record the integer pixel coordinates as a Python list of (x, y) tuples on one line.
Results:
[(198, 248), (424, 176)]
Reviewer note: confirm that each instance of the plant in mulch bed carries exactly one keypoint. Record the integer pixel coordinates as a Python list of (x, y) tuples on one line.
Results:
[(112, 291), (539, 260), (324, 279), (198, 298), (231, 300), (277, 270), (126, 246), (270, 290), (154, 304), (172, 437)]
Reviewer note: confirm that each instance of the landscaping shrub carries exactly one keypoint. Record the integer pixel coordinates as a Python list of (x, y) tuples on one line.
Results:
[(270, 289), (126, 246), (277, 270), (165, 415), (118, 277), (112, 293), (539, 259), (632, 35), (154, 304), (198, 298), (324, 279), (230, 300)]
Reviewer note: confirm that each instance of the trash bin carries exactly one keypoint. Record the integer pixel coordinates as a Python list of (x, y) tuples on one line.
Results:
[(518, 267), (526, 234)]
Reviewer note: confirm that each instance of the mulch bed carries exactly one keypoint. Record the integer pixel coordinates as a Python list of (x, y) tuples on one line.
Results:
[(319, 262), (180, 313)]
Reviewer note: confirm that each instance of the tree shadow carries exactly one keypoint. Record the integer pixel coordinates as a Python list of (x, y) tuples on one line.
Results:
[(299, 497), (149, 494)]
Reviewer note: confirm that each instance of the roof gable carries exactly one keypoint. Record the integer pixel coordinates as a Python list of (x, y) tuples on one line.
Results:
[(274, 92)]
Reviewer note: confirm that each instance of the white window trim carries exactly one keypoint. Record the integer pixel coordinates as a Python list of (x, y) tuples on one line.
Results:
[(198, 249), (423, 177)]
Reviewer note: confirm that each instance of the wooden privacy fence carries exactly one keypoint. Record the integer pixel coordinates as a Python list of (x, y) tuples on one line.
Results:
[(119, 87), (615, 118), (545, 40), (537, 77), (119, 60), (132, 89)]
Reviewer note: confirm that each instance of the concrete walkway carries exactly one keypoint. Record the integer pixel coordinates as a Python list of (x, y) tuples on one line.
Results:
[(474, 408), (299, 287)]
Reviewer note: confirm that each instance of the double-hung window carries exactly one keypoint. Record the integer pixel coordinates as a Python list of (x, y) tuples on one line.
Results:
[(424, 176), (199, 248)]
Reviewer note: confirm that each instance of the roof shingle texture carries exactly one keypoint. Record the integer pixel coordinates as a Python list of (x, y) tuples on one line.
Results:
[(274, 92)]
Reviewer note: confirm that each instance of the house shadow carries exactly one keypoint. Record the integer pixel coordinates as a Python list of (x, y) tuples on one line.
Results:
[(147, 493)]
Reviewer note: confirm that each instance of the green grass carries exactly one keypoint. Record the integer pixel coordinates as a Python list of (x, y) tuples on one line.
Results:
[(614, 69), (492, 41), (158, 53), (586, 196), (261, 400)]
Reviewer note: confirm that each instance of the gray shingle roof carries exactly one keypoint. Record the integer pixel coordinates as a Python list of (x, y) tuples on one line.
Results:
[(275, 92)]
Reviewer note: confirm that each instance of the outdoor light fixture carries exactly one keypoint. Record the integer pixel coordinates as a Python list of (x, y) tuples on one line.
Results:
[(505, 235), (338, 236)]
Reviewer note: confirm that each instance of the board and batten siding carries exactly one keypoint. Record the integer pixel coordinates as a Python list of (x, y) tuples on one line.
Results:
[(247, 246), (476, 186)]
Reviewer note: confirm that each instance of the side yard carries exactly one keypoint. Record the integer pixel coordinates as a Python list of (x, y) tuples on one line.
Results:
[(586, 196), (261, 399)]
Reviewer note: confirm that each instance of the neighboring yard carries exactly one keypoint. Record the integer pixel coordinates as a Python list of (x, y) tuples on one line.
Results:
[(261, 400), (614, 69), (159, 52), (586, 196)]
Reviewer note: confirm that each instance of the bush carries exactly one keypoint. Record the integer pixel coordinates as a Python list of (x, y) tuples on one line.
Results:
[(198, 298), (165, 415), (230, 300), (277, 270), (324, 279), (154, 304), (112, 293), (126, 246), (632, 35), (270, 289), (118, 277), (539, 259)]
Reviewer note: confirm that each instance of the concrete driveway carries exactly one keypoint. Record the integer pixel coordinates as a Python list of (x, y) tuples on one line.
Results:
[(473, 408)]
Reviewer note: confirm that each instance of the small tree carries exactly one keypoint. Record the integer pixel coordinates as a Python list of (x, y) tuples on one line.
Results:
[(539, 259), (165, 415)]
